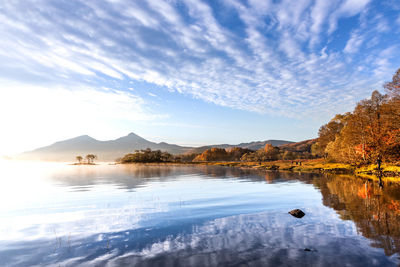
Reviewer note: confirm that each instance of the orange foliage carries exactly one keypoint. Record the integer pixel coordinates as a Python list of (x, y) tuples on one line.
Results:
[(363, 150), (395, 206), (364, 191), (222, 154)]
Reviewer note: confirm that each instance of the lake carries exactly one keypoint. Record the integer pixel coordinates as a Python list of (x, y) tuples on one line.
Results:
[(54, 214)]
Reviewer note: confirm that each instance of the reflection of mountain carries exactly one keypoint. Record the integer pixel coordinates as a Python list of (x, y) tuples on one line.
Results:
[(375, 211)]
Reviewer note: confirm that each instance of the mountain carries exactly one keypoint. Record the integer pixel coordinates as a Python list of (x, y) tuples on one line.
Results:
[(110, 150), (252, 145), (303, 146)]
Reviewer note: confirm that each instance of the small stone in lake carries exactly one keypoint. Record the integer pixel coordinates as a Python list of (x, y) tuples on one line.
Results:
[(297, 213), (307, 249)]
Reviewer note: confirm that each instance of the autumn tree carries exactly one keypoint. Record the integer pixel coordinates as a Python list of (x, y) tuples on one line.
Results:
[(235, 153), (267, 153), (327, 133), (147, 156), (90, 158), (377, 119), (288, 155), (361, 133), (370, 132), (271, 152), (213, 154), (392, 137), (185, 157), (393, 87), (222, 154), (79, 159), (344, 146)]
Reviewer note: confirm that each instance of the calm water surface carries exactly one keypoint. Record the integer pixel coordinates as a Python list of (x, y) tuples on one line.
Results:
[(107, 215)]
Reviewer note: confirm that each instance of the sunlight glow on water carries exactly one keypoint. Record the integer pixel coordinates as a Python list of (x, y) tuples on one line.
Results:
[(175, 215)]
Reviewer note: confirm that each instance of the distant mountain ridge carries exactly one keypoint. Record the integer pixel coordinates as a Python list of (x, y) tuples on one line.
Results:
[(110, 150), (252, 145), (303, 146)]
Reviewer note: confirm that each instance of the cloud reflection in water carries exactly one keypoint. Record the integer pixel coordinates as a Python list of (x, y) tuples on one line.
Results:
[(187, 216)]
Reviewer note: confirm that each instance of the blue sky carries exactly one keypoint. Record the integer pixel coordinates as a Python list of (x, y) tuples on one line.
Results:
[(188, 72)]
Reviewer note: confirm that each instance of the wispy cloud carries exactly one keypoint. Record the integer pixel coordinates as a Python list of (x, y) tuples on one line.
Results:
[(284, 58), (347, 8), (353, 44)]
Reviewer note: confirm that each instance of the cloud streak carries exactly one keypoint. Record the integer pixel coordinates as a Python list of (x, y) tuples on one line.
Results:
[(278, 58)]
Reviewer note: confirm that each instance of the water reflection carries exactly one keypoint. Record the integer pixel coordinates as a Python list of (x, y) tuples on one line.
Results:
[(375, 210), (264, 239), (132, 176), (198, 216)]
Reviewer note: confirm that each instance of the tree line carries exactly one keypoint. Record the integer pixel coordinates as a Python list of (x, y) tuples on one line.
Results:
[(147, 155), (267, 153)]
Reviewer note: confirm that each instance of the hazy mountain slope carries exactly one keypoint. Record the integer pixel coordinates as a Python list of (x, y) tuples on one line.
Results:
[(67, 150), (303, 146), (260, 144)]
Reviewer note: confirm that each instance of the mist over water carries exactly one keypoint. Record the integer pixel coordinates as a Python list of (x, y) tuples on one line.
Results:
[(54, 214)]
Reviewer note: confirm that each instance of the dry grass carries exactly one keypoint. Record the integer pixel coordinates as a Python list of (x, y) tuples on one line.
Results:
[(391, 172)]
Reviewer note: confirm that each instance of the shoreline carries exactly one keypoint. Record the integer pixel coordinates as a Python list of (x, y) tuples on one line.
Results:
[(83, 164), (389, 172)]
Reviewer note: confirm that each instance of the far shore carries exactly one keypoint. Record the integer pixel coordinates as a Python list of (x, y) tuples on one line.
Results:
[(83, 163), (388, 172)]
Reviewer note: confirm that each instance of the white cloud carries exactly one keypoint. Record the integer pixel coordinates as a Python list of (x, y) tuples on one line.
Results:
[(280, 61), (353, 7), (382, 25), (290, 47), (354, 43), (347, 8), (382, 62), (319, 13), (398, 21)]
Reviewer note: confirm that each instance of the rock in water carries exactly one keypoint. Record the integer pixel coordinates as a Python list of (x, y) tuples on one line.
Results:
[(297, 213)]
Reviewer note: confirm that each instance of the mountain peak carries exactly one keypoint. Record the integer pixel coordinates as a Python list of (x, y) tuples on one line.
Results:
[(81, 138), (131, 134), (132, 137), (85, 136)]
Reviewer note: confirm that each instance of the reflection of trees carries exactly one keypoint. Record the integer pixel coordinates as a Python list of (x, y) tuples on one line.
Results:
[(374, 210), (134, 175)]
